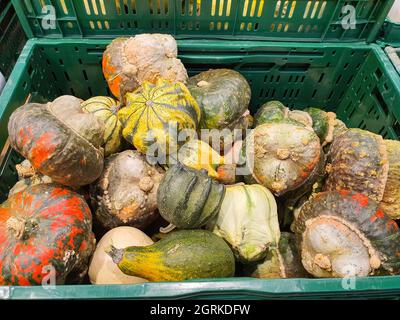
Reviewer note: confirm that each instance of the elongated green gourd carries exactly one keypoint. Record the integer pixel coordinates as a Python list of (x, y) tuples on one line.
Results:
[(180, 255)]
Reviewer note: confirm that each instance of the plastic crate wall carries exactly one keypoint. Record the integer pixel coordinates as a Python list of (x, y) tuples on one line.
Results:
[(293, 20), (12, 38)]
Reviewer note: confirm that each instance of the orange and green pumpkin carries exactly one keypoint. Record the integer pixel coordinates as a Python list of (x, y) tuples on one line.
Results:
[(106, 109), (156, 113), (44, 228), (60, 140)]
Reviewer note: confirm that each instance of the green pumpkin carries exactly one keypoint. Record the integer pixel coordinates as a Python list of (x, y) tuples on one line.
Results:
[(342, 234), (223, 96), (106, 109), (283, 153), (179, 256), (358, 161), (154, 111), (188, 198), (276, 111), (323, 124), (270, 111)]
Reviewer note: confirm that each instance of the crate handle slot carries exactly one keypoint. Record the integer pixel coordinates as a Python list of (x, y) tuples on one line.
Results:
[(295, 67)]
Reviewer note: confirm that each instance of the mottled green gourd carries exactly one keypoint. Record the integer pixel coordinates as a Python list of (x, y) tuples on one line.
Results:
[(223, 96), (248, 221), (342, 234), (323, 124), (283, 153), (106, 109), (391, 198), (281, 262), (189, 198), (180, 255), (358, 161)]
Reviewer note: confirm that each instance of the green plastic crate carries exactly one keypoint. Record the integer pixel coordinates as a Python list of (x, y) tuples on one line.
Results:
[(276, 20), (391, 33), (356, 80), (12, 37), (394, 56)]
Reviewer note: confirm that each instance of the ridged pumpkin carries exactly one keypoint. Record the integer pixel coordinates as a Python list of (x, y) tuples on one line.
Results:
[(129, 62), (153, 110), (248, 221), (223, 96), (125, 194), (59, 139), (283, 153), (342, 234), (188, 198), (358, 161), (106, 109), (43, 227)]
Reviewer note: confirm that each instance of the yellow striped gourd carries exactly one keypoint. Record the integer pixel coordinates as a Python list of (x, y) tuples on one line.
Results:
[(152, 112), (106, 109)]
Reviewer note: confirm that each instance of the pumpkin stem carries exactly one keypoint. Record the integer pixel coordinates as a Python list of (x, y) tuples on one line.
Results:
[(168, 228), (16, 226), (115, 253)]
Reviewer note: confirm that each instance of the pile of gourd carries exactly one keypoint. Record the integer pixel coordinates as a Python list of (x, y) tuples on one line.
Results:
[(318, 198)]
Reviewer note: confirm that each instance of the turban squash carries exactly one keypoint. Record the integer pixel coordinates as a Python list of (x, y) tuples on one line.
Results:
[(60, 140), (344, 233), (125, 193), (45, 226), (282, 154), (129, 62)]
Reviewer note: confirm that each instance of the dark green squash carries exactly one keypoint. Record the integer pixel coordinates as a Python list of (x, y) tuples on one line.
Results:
[(281, 262), (188, 198), (59, 139), (342, 234), (179, 256), (222, 94), (358, 161)]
